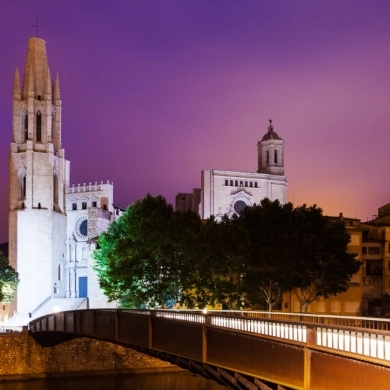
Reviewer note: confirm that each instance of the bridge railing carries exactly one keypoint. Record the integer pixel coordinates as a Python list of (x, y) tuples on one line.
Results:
[(11, 329), (360, 322), (355, 336)]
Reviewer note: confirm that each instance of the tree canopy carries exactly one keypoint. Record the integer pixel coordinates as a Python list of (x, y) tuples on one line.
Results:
[(8, 280), (143, 255), (296, 249), (153, 256)]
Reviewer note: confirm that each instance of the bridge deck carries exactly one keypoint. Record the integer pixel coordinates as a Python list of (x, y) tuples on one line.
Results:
[(250, 350)]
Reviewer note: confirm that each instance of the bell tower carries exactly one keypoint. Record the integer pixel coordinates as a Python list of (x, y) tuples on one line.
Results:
[(270, 151), (38, 178)]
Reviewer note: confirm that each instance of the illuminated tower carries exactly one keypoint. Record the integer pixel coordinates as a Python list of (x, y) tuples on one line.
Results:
[(39, 176), (271, 153)]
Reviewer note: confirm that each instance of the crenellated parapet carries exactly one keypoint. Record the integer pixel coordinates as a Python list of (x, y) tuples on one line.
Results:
[(79, 189)]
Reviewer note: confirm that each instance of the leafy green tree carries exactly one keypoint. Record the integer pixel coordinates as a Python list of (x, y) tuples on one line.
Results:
[(9, 280), (322, 264), (296, 249), (268, 251), (142, 258), (215, 273), (153, 256)]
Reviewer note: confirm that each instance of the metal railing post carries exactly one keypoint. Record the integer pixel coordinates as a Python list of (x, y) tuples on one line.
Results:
[(207, 322)]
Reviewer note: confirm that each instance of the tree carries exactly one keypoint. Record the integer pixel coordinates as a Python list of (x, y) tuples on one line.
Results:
[(216, 270), (153, 256), (296, 249), (142, 258), (9, 280), (322, 264), (268, 251)]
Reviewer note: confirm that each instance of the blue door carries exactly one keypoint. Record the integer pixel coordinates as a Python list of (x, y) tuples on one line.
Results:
[(83, 287)]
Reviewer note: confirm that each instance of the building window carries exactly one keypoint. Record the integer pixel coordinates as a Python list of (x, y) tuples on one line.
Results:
[(39, 127), (241, 183), (74, 206), (255, 184), (94, 203), (246, 184), (236, 183), (267, 157), (251, 184), (364, 250), (372, 250), (25, 127), (275, 156), (24, 186), (59, 272), (231, 182), (226, 182), (84, 205), (3, 307)]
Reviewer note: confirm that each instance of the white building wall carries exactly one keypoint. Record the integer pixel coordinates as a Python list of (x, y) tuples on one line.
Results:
[(222, 189), (37, 233)]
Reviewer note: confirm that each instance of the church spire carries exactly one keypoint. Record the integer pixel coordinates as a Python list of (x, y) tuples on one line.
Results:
[(17, 92), (36, 67)]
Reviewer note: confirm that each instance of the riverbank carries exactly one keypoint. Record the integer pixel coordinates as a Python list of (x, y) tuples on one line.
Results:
[(21, 357)]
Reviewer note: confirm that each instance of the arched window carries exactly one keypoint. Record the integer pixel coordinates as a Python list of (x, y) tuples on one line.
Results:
[(25, 127), (59, 272), (275, 156), (39, 127), (24, 186), (267, 157)]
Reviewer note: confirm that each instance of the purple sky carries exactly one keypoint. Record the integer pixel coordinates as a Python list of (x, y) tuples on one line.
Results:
[(154, 91)]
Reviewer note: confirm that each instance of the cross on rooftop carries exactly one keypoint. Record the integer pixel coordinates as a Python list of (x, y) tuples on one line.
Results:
[(36, 25)]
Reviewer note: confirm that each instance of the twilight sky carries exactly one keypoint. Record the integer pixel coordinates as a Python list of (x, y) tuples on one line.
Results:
[(154, 91)]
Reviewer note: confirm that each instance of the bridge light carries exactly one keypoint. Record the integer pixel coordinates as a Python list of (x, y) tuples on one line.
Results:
[(204, 311)]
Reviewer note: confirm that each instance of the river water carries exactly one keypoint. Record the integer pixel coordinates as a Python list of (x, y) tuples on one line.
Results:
[(181, 380)]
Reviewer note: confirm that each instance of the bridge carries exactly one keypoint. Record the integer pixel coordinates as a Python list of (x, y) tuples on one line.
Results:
[(242, 349)]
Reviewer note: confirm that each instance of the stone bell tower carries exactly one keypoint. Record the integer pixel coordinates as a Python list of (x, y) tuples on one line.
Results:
[(270, 152), (38, 178)]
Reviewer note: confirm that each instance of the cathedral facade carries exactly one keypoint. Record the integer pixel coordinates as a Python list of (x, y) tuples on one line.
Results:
[(52, 225), (228, 192)]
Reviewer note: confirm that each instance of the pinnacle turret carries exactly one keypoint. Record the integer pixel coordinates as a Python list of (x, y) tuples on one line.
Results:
[(17, 91), (29, 92), (48, 85), (56, 90)]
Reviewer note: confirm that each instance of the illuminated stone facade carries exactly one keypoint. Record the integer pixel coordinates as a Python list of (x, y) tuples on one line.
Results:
[(227, 192), (51, 225)]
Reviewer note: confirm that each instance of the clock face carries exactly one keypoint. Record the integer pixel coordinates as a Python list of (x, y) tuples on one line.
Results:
[(239, 206)]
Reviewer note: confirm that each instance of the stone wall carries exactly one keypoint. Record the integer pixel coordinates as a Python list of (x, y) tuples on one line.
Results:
[(22, 357)]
